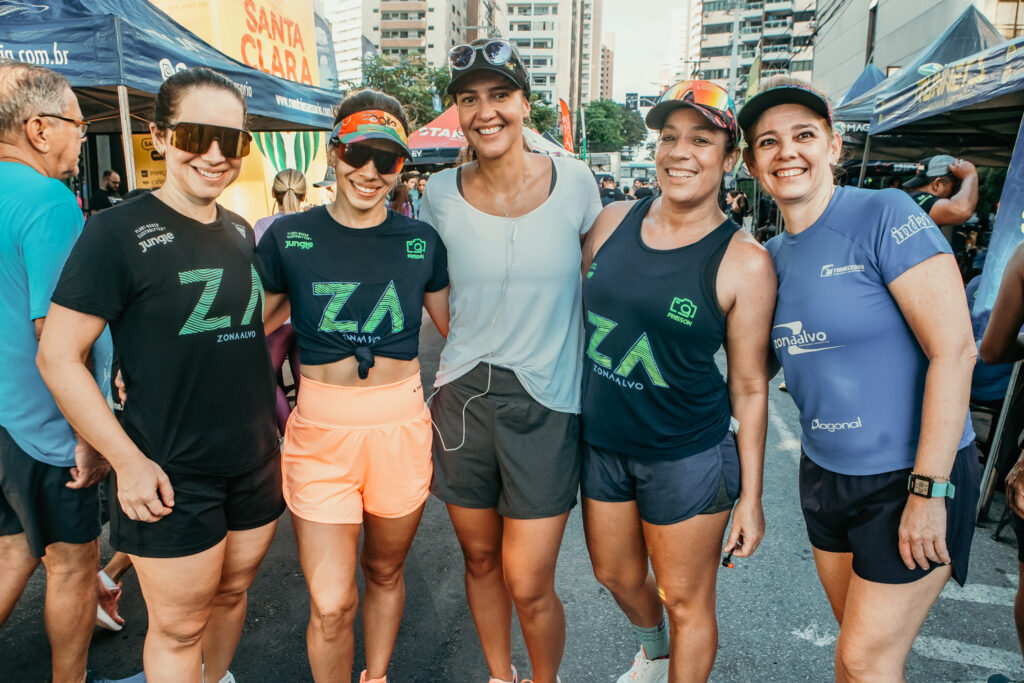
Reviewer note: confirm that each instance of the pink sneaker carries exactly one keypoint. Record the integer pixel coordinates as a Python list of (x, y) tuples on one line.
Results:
[(108, 593), (364, 679)]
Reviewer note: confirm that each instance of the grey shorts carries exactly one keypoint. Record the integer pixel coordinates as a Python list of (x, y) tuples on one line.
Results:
[(668, 490), (516, 455)]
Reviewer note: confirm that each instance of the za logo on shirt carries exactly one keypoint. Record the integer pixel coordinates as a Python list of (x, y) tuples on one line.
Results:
[(800, 340)]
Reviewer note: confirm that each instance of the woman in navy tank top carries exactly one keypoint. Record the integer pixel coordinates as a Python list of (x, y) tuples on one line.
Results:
[(672, 446), (872, 330)]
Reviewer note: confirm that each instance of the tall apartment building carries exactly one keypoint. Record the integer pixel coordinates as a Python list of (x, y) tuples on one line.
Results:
[(485, 19), (783, 31), (683, 55), (899, 30), (346, 19), (428, 28), (607, 65), (559, 42)]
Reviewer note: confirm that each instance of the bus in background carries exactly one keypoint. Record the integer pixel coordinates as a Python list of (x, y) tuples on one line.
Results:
[(629, 171)]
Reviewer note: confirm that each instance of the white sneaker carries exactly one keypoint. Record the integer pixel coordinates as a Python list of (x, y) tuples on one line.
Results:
[(515, 678), (646, 670)]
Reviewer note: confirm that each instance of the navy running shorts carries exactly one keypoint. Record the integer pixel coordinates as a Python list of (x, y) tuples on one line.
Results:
[(666, 491), (35, 500), (861, 515)]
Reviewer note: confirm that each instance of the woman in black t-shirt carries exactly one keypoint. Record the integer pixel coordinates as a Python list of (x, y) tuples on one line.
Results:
[(195, 457)]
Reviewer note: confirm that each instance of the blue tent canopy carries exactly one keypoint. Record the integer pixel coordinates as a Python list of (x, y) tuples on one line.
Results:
[(989, 83), (868, 79), (970, 33), (971, 109), (99, 45)]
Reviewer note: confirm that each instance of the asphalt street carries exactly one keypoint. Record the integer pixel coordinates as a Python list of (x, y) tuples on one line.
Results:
[(774, 621)]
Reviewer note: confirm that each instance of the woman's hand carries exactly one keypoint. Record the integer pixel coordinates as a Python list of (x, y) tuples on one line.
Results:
[(144, 491), (747, 528), (922, 532), (90, 467)]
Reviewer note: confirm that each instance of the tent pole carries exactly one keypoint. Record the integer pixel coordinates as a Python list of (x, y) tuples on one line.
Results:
[(988, 476), (126, 136), (864, 161)]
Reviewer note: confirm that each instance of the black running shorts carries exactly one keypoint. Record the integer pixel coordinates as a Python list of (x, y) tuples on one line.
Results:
[(35, 500), (861, 515), (206, 508)]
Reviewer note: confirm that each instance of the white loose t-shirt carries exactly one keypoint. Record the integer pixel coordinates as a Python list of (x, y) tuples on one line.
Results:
[(515, 284)]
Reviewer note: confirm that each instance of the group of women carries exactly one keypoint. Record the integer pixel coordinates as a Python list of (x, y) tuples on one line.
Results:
[(871, 327)]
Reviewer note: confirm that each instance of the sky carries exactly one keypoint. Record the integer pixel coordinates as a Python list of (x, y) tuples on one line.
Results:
[(642, 31)]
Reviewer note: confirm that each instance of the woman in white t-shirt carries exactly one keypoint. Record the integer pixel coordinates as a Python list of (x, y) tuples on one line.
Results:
[(506, 413)]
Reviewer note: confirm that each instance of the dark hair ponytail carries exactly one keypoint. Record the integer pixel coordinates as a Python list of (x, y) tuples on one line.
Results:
[(168, 98)]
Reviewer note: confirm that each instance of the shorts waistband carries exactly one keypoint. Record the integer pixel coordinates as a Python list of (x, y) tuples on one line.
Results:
[(339, 406), (504, 384)]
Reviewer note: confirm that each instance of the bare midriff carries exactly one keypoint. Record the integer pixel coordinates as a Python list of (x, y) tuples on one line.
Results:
[(345, 372)]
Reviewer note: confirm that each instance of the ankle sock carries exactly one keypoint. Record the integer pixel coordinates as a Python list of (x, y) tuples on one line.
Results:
[(654, 640)]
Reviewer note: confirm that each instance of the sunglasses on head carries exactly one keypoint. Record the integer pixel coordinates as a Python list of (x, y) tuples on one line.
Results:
[(496, 52), (356, 155), (712, 99), (196, 138)]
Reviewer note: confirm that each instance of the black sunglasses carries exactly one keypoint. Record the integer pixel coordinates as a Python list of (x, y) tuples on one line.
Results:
[(196, 138), (356, 156)]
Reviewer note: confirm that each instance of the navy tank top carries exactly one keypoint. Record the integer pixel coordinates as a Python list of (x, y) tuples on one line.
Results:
[(651, 387)]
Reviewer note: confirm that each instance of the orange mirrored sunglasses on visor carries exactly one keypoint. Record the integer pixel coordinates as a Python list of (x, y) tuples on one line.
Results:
[(712, 99), (196, 138)]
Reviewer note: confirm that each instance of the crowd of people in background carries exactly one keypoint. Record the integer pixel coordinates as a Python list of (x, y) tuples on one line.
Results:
[(556, 385)]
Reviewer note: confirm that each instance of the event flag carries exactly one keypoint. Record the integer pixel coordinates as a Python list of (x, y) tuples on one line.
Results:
[(566, 122), (1008, 230)]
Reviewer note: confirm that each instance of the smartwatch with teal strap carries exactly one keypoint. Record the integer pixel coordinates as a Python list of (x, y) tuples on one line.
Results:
[(926, 487)]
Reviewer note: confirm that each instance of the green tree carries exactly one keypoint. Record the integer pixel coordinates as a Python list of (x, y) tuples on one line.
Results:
[(410, 81), (610, 127), (542, 117), (634, 130)]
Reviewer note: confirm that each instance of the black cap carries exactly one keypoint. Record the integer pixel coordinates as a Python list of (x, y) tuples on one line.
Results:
[(783, 94), (512, 69)]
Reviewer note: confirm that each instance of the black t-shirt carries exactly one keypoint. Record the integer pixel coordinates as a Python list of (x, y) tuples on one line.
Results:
[(611, 194), (353, 291), (101, 199), (185, 308), (924, 200)]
